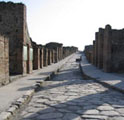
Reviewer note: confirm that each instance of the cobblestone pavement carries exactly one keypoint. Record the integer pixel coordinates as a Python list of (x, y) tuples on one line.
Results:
[(69, 97)]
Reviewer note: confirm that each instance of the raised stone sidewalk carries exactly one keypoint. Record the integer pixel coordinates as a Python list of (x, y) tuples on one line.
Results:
[(19, 92), (112, 80)]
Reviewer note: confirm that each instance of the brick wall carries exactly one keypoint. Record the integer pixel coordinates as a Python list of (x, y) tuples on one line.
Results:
[(13, 25)]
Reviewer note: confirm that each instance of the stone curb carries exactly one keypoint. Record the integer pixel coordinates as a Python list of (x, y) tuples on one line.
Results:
[(16, 106), (99, 81)]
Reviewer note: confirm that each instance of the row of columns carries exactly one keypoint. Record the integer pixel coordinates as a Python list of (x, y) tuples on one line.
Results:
[(34, 57)]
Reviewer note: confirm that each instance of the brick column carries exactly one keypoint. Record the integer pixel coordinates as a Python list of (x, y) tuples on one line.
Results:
[(100, 48), (49, 57), (41, 57), (56, 54), (53, 56), (94, 55), (107, 49), (96, 49), (36, 56), (45, 62)]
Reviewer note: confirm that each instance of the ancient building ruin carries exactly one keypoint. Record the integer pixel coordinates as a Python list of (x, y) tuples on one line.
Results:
[(20, 55), (13, 25), (57, 47), (108, 49), (89, 53)]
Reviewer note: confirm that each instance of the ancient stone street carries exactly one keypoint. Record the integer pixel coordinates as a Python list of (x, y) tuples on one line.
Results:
[(70, 97)]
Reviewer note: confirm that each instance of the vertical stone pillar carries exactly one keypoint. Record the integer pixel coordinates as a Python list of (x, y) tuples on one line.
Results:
[(45, 57), (36, 56), (107, 49), (29, 59), (61, 53), (56, 54), (41, 57), (94, 55), (100, 48), (6, 56), (4, 60), (53, 56), (96, 49), (49, 57)]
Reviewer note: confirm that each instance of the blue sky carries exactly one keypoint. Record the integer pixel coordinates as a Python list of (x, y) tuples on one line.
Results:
[(71, 22)]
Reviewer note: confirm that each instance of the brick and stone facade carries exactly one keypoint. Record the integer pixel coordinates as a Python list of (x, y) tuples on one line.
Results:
[(13, 25), (4, 60), (89, 53), (57, 47), (69, 50), (108, 49), (18, 53)]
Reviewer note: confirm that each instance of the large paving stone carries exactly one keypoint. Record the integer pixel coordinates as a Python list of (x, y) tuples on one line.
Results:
[(50, 115), (105, 107), (91, 112), (109, 113)]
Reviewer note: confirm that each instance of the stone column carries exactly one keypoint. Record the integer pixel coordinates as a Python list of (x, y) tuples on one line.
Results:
[(41, 57), (100, 48), (4, 60), (36, 57), (94, 55), (56, 54), (45, 62), (96, 49), (30, 59), (53, 56), (49, 57), (107, 49)]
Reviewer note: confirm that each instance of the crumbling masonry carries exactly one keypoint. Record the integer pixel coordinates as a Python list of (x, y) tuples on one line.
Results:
[(108, 50), (18, 53)]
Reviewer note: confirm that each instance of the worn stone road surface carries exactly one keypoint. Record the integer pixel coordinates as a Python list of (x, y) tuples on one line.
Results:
[(70, 97)]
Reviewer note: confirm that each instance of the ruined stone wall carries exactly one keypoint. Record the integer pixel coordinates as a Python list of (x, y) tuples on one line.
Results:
[(18, 53), (108, 50), (68, 51), (4, 60), (57, 47), (117, 50), (13, 25), (89, 53)]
